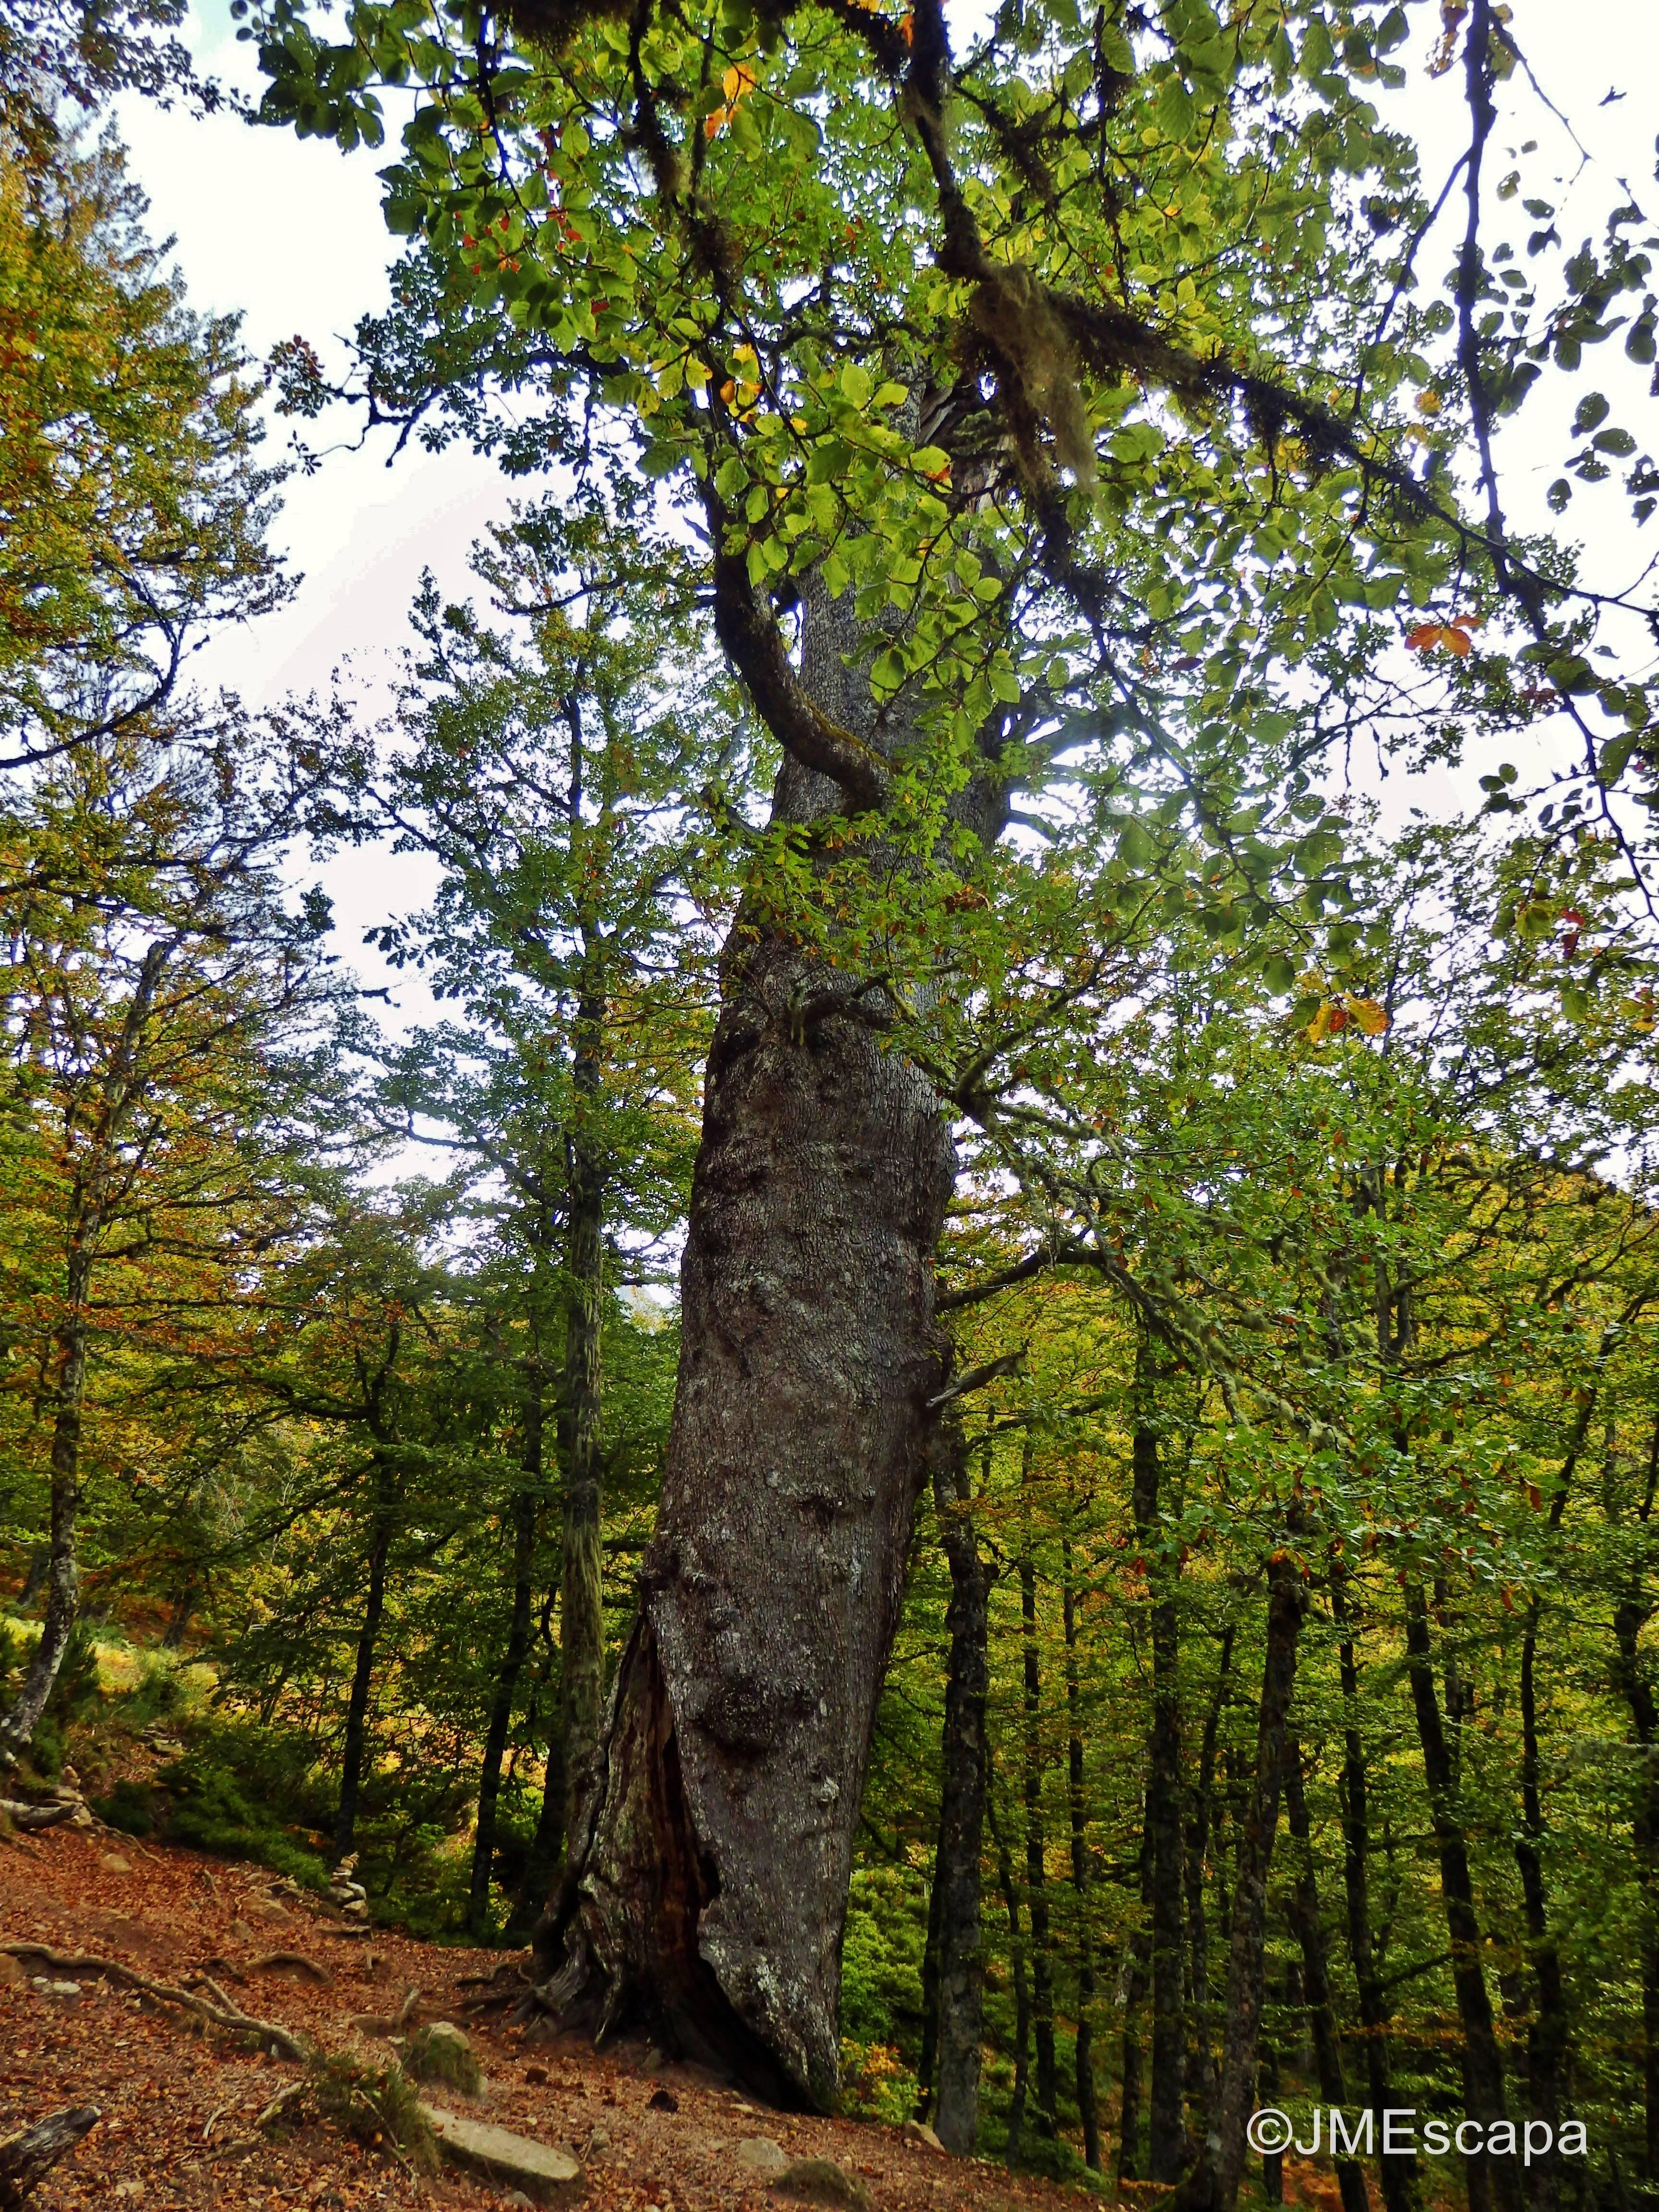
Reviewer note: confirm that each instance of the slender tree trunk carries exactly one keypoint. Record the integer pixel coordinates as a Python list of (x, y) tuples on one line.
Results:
[(1202, 2082), (357, 1727), (1036, 1857), (1273, 2161), (1315, 1974), (89, 1205), (1489, 2181), (581, 1583), (1167, 2106), (547, 1846), (525, 1504), (1396, 2171), (1548, 2035), (1022, 1985), (1087, 2106), (928, 2061), (1629, 1619), (1213, 2185), (1134, 1995), (962, 1809)]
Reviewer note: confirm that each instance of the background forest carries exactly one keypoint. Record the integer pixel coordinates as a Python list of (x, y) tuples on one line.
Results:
[(1272, 1709)]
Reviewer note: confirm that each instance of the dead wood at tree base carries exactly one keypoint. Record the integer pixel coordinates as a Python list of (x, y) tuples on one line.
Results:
[(27, 2157)]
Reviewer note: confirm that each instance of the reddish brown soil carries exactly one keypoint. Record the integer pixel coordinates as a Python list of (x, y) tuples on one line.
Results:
[(178, 2108)]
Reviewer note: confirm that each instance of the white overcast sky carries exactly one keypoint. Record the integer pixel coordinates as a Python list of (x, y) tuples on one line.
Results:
[(288, 232)]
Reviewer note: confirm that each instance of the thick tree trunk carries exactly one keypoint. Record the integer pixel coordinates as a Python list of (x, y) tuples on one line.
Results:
[(961, 1810), (1213, 2185), (357, 1727), (1489, 2181), (514, 1654), (1315, 1973), (1036, 1861), (1396, 2171), (706, 1888), (1087, 2108), (1166, 2106), (582, 1614)]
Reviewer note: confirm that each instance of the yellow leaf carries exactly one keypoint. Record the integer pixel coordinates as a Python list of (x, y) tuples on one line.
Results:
[(1322, 1023), (1372, 1018)]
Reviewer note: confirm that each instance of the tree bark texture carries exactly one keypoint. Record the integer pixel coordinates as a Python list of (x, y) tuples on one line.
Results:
[(1212, 2184), (1547, 2038), (1493, 2181), (1166, 2103), (962, 1809), (707, 1888), (1309, 1934), (29, 2156)]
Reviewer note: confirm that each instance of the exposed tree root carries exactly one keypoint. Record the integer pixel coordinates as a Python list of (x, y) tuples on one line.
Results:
[(270, 1961), (223, 2013)]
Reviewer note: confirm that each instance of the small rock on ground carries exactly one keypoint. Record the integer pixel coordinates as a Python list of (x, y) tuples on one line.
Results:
[(821, 2181), (540, 2171), (763, 2156), (918, 2132)]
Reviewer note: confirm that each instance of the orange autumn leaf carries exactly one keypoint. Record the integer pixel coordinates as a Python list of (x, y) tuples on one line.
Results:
[(1371, 1017), (737, 84), (1454, 635)]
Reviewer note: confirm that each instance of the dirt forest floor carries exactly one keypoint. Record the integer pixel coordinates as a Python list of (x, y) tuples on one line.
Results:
[(178, 2106)]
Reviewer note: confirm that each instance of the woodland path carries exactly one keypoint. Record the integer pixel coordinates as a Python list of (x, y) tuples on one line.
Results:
[(172, 2099)]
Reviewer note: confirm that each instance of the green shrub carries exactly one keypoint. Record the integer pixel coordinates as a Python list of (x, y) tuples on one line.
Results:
[(208, 1811), (374, 2105), (130, 1807)]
